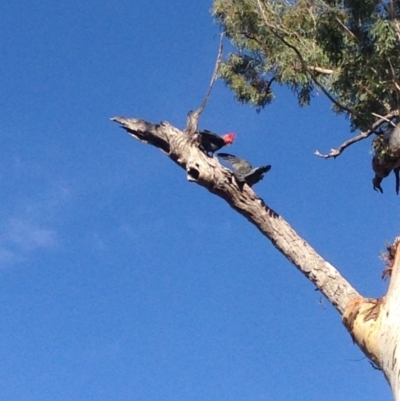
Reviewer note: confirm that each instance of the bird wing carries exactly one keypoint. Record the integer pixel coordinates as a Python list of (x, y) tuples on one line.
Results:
[(256, 175), (261, 170), (239, 165), (210, 137)]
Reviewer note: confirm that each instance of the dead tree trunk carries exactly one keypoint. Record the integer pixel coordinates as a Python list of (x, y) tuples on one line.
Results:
[(374, 324)]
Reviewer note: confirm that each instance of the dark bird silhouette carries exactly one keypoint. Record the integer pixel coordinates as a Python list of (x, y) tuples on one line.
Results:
[(243, 170), (382, 170), (210, 142), (387, 157)]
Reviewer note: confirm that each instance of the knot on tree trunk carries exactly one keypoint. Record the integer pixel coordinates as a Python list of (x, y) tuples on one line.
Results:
[(193, 171)]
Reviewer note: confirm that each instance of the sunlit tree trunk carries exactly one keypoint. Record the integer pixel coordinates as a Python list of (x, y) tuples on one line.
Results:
[(389, 331), (375, 325)]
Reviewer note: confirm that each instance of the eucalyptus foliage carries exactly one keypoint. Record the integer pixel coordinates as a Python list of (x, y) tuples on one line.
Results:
[(348, 50)]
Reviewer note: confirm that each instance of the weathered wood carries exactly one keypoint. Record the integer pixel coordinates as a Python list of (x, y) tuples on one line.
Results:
[(208, 172)]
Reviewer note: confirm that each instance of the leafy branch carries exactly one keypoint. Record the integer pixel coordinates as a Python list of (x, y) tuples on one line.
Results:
[(311, 70)]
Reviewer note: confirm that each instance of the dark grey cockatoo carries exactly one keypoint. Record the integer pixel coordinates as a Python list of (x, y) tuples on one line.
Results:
[(210, 142), (381, 172), (387, 157), (243, 170)]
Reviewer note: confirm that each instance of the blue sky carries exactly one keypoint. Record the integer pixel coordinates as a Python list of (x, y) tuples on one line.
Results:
[(122, 281)]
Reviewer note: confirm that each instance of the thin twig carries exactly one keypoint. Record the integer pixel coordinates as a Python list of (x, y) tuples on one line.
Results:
[(214, 75), (360, 137), (344, 145), (193, 116), (347, 29), (384, 118)]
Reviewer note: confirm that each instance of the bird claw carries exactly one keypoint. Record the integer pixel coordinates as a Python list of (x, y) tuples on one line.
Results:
[(376, 182)]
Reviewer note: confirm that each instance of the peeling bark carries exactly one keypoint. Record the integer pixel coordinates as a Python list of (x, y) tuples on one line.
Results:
[(375, 326), (389, 334), (362, 319)]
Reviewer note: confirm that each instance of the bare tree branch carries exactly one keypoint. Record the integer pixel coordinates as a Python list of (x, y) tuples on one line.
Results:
[(208, 172), (193, 116), (384, 118), (336, 152), (347, 29)]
